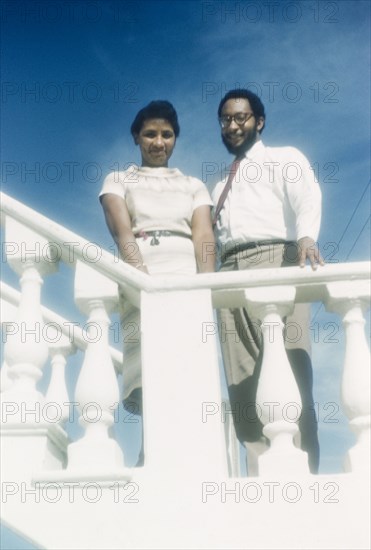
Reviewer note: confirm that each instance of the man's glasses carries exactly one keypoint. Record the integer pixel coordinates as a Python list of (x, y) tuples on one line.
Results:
[(239, 118)]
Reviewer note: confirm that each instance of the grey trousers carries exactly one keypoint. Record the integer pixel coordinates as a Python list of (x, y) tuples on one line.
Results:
[(242, 351)]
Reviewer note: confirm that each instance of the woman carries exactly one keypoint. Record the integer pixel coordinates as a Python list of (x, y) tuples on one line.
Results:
[(159, 218)]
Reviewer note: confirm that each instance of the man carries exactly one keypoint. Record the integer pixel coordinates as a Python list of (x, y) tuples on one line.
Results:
[(266, 216)]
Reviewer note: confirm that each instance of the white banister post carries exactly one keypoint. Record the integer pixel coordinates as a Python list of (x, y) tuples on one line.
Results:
[(26, 350), (182, 416), (97, 391), (277, 388), (350, 299)]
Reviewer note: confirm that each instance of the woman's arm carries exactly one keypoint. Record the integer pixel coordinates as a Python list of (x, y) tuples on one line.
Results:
[(203, 239), (119, 223)]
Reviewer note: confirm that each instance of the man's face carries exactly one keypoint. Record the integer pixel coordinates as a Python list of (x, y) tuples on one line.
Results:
[(239, 138)]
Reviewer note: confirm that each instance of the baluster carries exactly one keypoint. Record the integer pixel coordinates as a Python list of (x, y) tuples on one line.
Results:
[(8, 314), (97, 391), (232, 443), (57, 393), (277, 388), (350, 300), (5, 379), (26, 350)]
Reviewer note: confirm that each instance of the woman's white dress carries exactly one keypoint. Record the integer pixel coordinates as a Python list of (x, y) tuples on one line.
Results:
[(157, 199)]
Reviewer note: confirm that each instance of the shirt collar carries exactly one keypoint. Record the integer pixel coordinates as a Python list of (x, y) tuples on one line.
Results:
[(255, 150)]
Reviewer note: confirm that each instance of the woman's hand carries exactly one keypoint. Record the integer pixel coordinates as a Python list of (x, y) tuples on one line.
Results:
[(119, 224)]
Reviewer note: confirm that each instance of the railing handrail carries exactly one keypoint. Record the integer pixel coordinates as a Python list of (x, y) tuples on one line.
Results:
[(12, 296), (128, 277)]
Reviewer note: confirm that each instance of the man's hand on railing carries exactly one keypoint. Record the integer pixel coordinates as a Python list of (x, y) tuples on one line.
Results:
[(307, 248)]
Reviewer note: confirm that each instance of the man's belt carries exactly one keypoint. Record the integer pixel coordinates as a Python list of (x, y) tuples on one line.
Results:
[(240, 247)]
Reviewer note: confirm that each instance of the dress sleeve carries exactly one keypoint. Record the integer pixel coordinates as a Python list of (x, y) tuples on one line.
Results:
[(201, 195), (114, 183)]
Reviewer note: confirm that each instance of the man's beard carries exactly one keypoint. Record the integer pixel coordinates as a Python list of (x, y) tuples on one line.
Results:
[(240, 150)]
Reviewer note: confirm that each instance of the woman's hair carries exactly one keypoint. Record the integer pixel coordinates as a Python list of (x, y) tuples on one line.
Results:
[(156, 109)]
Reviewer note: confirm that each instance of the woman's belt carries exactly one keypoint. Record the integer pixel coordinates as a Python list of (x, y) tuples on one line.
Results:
[(240, 247), (159, 233)]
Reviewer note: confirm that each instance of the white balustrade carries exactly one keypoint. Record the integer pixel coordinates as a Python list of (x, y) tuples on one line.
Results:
[(97, 392), (277, 387), (172, 356), (350, 300)]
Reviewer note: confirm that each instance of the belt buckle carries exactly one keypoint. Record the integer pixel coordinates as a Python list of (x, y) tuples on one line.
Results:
[(155, 239)]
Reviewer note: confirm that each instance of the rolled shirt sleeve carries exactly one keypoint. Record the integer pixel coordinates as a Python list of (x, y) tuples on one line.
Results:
[(304, 195)]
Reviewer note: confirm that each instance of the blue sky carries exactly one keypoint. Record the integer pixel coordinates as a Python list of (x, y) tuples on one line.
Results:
[(74, 74)]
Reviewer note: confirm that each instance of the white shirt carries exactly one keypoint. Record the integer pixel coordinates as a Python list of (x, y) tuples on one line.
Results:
[(274, 195)]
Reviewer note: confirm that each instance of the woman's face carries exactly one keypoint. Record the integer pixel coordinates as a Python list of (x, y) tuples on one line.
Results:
[(156, 140)]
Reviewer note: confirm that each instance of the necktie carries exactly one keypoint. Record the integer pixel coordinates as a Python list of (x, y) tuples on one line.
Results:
[(227, 187)]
